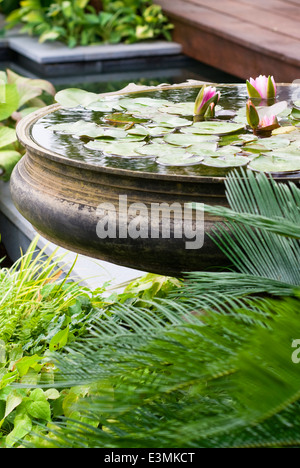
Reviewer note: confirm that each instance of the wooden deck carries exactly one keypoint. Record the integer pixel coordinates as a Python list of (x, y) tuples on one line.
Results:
[(241, 37)]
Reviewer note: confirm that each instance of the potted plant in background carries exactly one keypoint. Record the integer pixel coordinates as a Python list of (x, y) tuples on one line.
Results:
[(82, 22), (7, 6)]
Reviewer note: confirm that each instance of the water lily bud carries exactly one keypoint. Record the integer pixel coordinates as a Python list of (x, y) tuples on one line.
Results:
[(206, 96), (262, 87), (210, 112), (252, 115)]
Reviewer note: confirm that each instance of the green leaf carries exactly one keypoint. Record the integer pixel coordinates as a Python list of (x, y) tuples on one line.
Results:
[(7, 136), (179, 157), (179, 108), (165, 120), (8, 160), (214, 128), (252, 91), (52, 394), (14, 399), (12, 100), (59, 340), (104, 106), (230, 161), (26, 362), (275, 163), (22, 426), (137, 104), (295, 113), (49, 36), (39, 410), (185, 140), (73, 97)]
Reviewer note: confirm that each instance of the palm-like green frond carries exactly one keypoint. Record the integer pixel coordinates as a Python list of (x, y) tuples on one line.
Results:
[(210, 365)]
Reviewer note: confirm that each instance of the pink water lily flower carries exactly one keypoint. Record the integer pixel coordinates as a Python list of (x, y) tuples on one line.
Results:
[(261, 124), (262, 87), (268, 121), (206, 96)]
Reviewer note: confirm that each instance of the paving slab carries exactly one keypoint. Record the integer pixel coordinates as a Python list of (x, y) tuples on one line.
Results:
[(57, 52)]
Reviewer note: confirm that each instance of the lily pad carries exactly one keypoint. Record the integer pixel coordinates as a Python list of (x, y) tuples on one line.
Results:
[(119, 148), (255, 148), (138, 130), (104, 106), (179, 108), (179, 158), (275, 142), (275, 163), (230, 161), (88, 129), (139, 104), (74, 97), (158, 149), (284, 130), (121, 118), (168, 121), (185, 140), (158, 131), (214, 128)]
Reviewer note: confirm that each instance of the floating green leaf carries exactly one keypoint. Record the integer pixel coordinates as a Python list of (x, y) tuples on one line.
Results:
[(182, 139), (104, 106), (158, 149), (140, 104), (120, 118), (179, 157), (214, 128), (74, 97), (275, 163), (179, 108), (230, 161), (120, 148), (165, 120)]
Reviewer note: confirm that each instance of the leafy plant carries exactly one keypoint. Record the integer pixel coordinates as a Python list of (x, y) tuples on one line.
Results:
[(210, 365), (6, 6), (19, 96), (41, 310), (76, 22)]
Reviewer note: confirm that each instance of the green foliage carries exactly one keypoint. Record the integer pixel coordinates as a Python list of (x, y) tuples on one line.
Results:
[(19, 96), (75, 22), (207, 361), (209, 364), (6, 6), (40, 312)]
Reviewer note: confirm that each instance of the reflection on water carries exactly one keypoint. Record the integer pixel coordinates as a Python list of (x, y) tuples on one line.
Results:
[(232, 98)]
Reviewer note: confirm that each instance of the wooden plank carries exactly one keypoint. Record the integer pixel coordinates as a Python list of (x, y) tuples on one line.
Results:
[(234, 46), (252, 14), (227, 27), (236, 59), (282, 7)]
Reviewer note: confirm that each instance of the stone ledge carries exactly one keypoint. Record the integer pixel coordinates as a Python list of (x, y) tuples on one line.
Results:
[(55, 52)]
